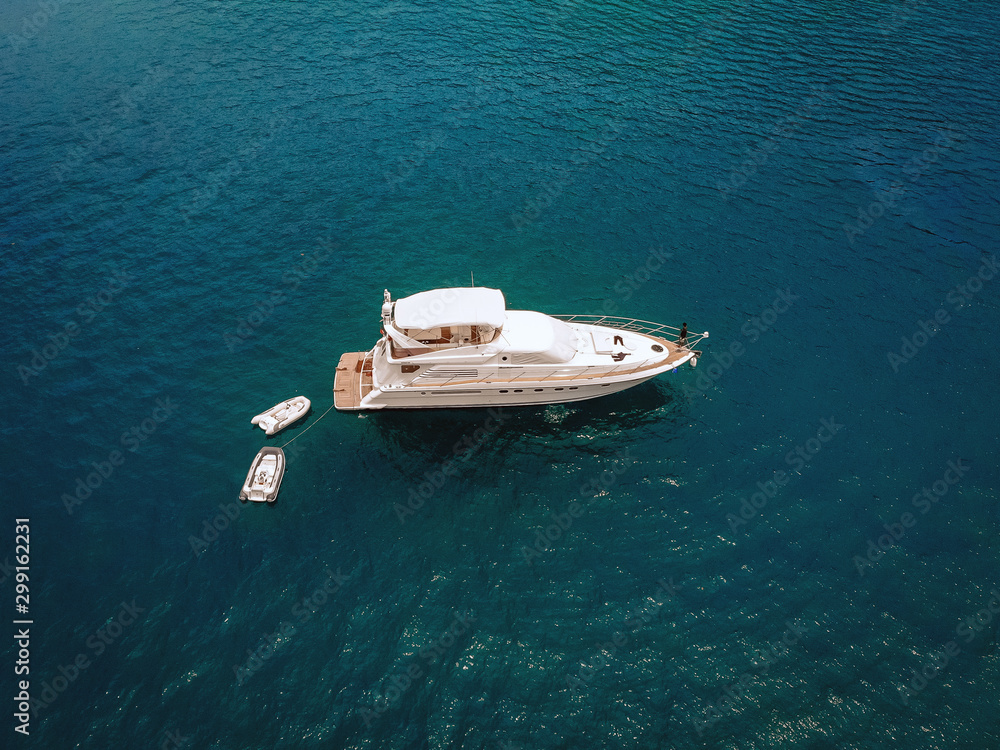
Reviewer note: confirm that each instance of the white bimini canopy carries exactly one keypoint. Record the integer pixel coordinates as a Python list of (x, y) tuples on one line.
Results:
[(458, 306)]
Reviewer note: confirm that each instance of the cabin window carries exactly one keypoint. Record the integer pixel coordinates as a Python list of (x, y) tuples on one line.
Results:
[(409, 368)]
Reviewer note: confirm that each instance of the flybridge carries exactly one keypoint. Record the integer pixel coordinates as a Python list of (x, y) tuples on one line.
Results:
[(442, 319), (461, 306)]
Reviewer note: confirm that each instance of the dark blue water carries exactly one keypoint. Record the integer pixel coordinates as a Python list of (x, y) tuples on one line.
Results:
[(200, 207)]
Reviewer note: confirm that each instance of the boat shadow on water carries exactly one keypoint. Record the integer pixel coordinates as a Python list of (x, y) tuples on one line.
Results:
[(438, 431)]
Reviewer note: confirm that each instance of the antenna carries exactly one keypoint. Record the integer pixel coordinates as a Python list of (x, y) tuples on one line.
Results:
[(473, 275)]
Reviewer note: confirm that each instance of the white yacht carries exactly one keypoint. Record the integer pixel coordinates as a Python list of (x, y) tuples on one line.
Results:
[(462, 347)]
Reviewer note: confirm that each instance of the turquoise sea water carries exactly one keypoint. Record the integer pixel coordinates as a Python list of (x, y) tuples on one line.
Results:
[(200, 207)]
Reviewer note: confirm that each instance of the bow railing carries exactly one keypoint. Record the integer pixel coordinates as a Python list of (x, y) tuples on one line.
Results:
[(633, 324)]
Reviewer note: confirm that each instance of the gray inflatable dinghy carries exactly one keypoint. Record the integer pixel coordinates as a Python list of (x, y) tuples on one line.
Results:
[(264, 478)]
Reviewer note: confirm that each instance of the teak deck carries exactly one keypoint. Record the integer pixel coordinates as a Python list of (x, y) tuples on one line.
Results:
[(350, 384)]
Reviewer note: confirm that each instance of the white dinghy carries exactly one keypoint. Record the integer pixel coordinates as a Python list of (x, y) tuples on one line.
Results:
[(281, 416), (264, 478)]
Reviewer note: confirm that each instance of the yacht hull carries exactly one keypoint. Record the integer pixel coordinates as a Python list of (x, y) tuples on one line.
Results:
[(461, 348), (445, 398), (484, 394)]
